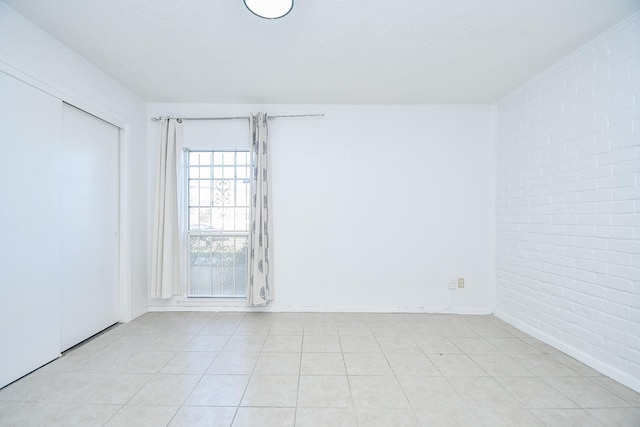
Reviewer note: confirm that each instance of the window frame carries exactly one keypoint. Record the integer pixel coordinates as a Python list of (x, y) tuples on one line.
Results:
[(212, 233)]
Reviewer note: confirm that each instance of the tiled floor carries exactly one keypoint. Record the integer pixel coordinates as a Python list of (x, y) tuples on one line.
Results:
[(316, 369)]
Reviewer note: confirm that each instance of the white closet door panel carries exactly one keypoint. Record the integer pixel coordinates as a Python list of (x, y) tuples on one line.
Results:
[(89, 226), (29, 228)]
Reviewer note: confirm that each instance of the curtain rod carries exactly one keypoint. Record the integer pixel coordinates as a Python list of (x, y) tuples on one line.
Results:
[(155, 119)]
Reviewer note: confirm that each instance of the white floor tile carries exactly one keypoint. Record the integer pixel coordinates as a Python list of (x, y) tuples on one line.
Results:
[(165, 389), (321, 344), (203, 416), (189, 362), (498, 417), (278, 364), (377, 392), (411, 364), (386, 417), (324, 392), (324, 417), (483, 392), (618, 417), (271, 390), (148, 416), (322, 364), (218, 390), (316, 369), (567, 418), (448, 417), (430, 392), (265, 417), (367, 364), (233, 363)]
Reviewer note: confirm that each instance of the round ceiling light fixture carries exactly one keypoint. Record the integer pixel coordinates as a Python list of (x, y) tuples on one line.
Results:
[(269, 9)]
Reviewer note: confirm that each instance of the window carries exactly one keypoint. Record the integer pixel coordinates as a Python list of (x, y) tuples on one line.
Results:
[(218, 209)]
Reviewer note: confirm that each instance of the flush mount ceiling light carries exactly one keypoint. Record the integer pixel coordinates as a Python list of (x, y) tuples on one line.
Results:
[(269, 9)]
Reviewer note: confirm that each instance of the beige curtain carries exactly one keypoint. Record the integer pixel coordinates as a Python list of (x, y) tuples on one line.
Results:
[(260, 290), (166, 276)]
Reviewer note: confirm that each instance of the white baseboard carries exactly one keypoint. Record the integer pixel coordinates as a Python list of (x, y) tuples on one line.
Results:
[(604, 368), (235, 306)]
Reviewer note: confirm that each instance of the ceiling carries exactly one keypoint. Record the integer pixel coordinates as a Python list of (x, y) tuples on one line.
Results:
[(325, 52)]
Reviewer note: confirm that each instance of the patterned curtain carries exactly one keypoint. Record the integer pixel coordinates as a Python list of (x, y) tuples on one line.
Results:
[(260, 290), (166, 276)]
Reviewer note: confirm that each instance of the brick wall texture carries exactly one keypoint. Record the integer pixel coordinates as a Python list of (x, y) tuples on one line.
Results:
[(568, 201)]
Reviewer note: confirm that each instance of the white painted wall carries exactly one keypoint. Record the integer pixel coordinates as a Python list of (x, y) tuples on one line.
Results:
[(375, 207), (31, 55), (568, 205)]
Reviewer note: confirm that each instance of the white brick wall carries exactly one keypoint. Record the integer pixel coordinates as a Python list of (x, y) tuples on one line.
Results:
[(568, 205)]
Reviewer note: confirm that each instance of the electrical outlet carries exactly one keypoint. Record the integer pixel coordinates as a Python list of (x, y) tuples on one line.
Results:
[(452, 284), (460, 282)]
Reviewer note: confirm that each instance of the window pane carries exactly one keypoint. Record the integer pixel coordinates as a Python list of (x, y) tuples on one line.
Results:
[(242, 158), (242, 173), (228, 172), (217, 158), (218, 196), (193, 219), (206, 158), (205, 173), (242, 218), (229, 158), (218, 220), (205, 218), (205, 196), (243, 195), (194, 194)]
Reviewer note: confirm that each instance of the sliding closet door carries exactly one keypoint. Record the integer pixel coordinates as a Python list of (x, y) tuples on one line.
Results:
[(89, 300), (29, 228)]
